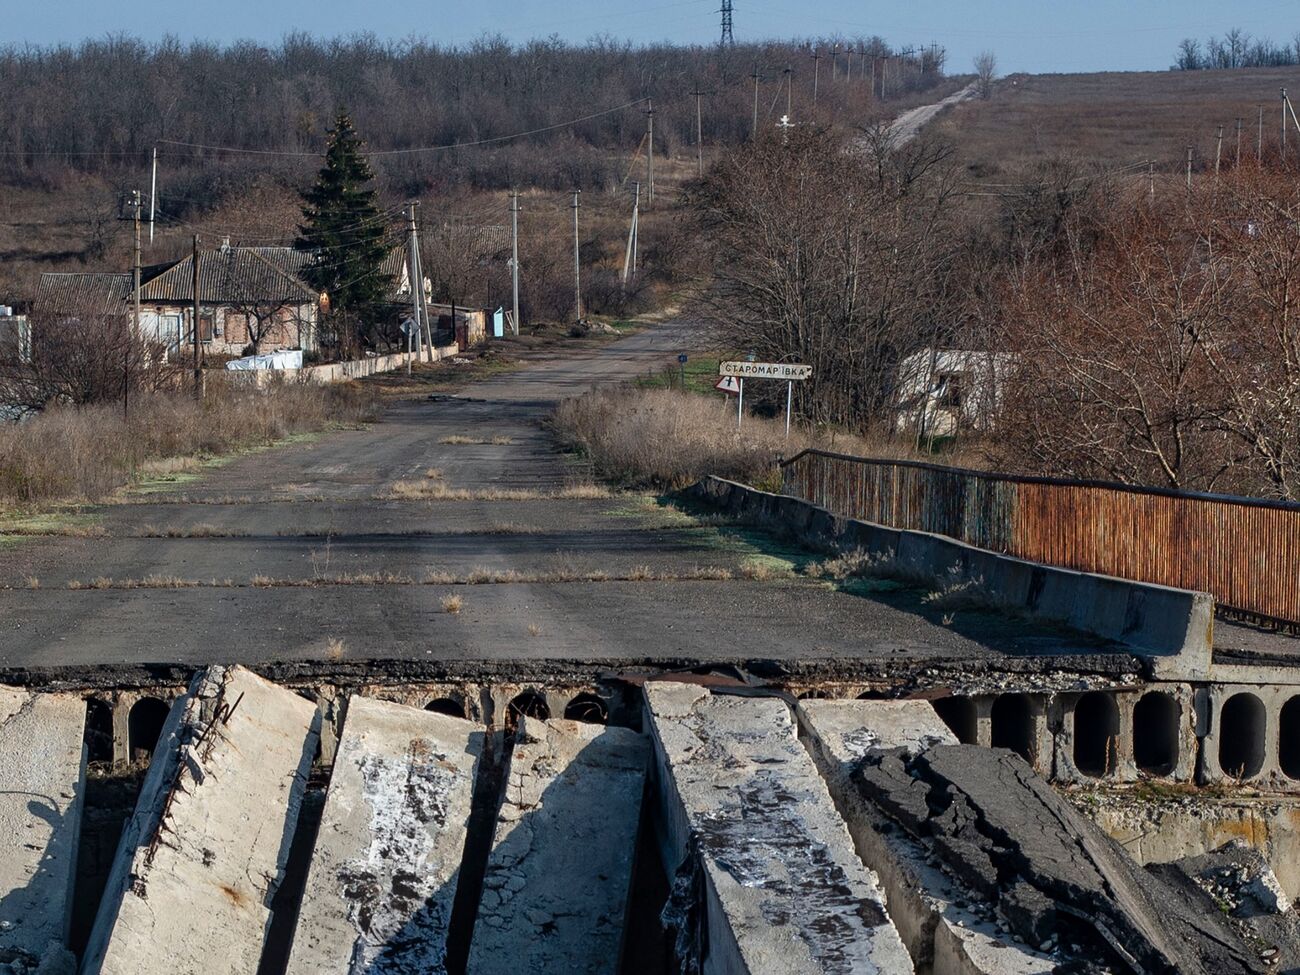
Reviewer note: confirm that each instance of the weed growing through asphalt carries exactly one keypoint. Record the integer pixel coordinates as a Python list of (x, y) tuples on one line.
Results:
[(461, 440), (452, 604), (335, 649)]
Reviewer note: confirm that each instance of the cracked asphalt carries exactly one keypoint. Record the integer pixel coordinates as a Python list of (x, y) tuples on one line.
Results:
[(302, 520)]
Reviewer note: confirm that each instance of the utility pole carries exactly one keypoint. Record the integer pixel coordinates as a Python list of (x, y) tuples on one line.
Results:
[(835, 61), (650, 154), (135, 305), (789, 87), (873, 77), (1239, 121), (413, 273), (699, 134), (884, 75), (753, 133), (194, 323), (1151, 182), (1259, 138), (153, 192), (817, 64), (1282, 143), (629, 258), (577, 272), (1189, 167), (1218, 150), (514, 259)]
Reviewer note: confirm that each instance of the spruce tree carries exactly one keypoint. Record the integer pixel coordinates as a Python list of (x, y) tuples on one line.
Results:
[(344, 230)]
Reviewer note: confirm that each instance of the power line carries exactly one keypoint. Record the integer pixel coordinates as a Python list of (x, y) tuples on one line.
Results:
[(400, 152)]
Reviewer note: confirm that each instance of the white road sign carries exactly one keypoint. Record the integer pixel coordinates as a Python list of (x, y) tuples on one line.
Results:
[(728, 384), (764, 370)]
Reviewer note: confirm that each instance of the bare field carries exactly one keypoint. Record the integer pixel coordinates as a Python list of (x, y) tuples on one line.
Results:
[(1115, 118)]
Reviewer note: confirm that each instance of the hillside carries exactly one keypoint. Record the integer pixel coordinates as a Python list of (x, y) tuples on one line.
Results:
[(1117, 119)]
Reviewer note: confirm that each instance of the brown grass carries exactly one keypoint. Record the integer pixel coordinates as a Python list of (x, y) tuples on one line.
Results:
[(335, 649), (459, 439), (438, 491), (67, 454), (452, 604)]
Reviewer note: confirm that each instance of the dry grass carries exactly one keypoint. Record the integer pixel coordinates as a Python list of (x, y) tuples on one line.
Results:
[(433, 490), (459, 439), (67, 454), (201, 530), (32, 582), (534, 629), (452, 604), (335, 649)]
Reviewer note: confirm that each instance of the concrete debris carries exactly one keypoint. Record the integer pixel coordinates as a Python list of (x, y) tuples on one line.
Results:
[(556, 889), (42, 782), (206, 848), (943, 932), (769, 880), (1043, 872), (1239, 881), (383, 875)]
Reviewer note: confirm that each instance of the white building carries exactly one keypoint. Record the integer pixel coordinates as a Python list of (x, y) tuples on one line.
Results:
[(941, 392)]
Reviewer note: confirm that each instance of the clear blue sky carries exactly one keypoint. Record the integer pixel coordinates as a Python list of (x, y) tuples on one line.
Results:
[(1026, 35)]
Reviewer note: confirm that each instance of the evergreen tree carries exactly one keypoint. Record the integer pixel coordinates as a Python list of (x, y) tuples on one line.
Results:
[(344, 230)]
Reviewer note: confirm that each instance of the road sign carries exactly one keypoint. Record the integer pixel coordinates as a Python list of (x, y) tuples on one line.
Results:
[(765, 370), (683, 358), (728, 384)]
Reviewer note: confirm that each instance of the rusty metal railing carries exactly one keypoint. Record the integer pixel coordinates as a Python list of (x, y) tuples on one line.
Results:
[(1243, 551)]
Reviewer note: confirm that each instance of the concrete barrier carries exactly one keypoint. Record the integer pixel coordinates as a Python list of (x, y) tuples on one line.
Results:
[(383, 874), (768, 878), (337, 372), (205, 851), (42, 779), (940, 935), (557, 882), (1172, 628)]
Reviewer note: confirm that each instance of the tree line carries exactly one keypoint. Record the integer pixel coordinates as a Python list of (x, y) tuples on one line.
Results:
[(1236, 49), (101, 106)]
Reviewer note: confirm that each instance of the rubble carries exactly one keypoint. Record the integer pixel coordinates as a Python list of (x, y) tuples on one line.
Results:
[(768, 878), (1042, 871), (42, 778), (206, 848), (384, 872), (556, 888)]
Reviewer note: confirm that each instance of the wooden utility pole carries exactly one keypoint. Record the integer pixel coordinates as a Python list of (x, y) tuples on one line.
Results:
[(1218, 150), (817, 66), (789, 88), (194, 323), (514, 258), (577, 272), (699, 133), (650, 154), (753, 133)]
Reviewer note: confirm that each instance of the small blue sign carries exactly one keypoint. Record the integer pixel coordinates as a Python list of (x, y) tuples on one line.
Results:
[(682, 358)]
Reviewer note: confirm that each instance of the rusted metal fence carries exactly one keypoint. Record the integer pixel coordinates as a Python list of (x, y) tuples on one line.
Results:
[(1243, 551)]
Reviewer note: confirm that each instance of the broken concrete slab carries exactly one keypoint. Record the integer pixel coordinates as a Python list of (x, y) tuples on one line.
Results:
[(1028, 859), (929, 910), (382, 880), (42, 782), (205, 850), (556, 888), (768, 878)]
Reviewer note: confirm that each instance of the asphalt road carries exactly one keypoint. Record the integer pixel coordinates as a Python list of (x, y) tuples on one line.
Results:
[(312, 550)]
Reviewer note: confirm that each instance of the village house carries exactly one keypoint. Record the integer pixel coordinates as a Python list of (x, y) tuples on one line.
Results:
[(251, 299), (942, 392)]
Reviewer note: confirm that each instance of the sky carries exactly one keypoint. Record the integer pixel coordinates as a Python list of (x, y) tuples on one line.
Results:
[(1025, 35)]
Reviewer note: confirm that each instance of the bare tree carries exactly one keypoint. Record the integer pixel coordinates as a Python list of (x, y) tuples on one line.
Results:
[(986, 71)]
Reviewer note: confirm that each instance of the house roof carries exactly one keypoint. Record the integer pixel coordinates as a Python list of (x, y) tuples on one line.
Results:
[(229, 275), (82, 292)]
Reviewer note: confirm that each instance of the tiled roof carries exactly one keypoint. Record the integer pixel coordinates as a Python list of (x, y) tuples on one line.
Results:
[(82, 293)]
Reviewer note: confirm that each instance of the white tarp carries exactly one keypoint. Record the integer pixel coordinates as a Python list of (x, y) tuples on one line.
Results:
[(288, 359)]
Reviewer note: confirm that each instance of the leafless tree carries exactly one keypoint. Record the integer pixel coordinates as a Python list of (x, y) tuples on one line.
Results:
[(986, 71)]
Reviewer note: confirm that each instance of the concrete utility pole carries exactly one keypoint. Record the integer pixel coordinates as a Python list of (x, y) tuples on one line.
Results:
[(817, 65), (135, 304), (699, 133), (1218, 149), (789, 87), (629, 258), (577, 272), (514, 258), (1259, 138), (650, 154), (1282, 143), (1151, 182), (194, 323), (1239, 121), (873, 77), (413, 274), (1189, 167), (835, 62), (153, 192), (753, 132)]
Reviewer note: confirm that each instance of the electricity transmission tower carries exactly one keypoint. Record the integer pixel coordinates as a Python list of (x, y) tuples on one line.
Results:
[(727, 39)]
